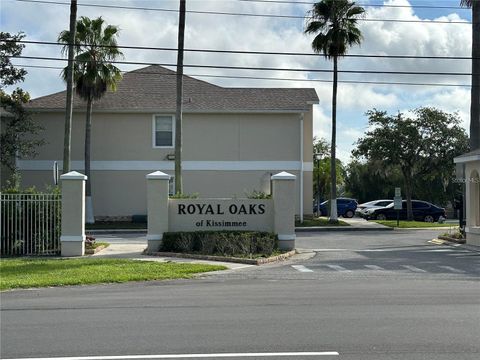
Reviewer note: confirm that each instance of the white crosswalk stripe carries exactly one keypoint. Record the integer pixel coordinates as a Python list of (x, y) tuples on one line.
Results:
[(374, 267), (377, 268), (301, 268), (451, 269), (413, 268), (338, 268)]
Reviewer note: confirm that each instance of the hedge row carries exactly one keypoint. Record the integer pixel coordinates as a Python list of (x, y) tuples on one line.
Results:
[(227, 243)]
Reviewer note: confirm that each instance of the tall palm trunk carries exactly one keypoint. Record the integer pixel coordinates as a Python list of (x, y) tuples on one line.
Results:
[(69, 105), (475, 104), (333, 163), (178, 112), (89, 218)]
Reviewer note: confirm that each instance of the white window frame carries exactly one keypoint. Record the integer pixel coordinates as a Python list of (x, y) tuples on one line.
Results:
[(154, 131)]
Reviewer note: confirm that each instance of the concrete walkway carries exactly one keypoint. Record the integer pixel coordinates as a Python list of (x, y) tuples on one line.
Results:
[(356, 224), (131, 246)]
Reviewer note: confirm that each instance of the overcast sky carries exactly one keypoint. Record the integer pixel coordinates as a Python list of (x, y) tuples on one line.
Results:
[(43, 22)]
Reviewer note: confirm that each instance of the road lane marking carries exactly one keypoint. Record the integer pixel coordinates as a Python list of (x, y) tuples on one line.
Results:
[(188, 356), (413, 268), (452, 269), (301, 268), (374, 267), (338, 268)]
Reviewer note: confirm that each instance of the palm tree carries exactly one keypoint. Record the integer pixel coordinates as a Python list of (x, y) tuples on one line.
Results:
[(335, 24), (69, 79), (95, 49), (475, 94)]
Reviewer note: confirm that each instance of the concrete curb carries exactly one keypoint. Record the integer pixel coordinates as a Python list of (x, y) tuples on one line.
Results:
[(261, 261), (340, 228), (427, 228), (95, 251), (448, 238), (456, 245)]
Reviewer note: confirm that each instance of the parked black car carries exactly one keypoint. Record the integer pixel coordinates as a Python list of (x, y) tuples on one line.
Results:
[(422, 211)]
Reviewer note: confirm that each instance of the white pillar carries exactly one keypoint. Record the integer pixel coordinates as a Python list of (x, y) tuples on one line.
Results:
[(73, 214), (284, 209), (157, 209)]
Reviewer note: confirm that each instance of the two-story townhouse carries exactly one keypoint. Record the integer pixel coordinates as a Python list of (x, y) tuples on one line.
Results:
[(233, 140)]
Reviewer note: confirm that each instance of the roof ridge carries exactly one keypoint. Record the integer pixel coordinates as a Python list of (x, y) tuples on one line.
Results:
[(139, 70)]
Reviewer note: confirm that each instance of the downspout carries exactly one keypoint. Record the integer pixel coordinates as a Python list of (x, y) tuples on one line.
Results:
[(301, 167)]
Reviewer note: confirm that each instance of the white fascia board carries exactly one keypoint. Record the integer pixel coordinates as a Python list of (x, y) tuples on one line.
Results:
[(466, 159), (168, 165), (155, 110)]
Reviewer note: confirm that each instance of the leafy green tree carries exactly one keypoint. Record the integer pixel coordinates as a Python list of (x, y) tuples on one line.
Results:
[(334, 22), (17, 128), (475, 92), (94, 74), (371, 180), (321, 171), (422, 146)]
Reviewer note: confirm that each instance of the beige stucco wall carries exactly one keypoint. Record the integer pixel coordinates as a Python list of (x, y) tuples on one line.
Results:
[(472, 171), (123, 193), (206, 137)]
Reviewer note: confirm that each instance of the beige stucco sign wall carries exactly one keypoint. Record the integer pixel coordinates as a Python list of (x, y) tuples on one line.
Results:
[(275, 215), (220, 214)]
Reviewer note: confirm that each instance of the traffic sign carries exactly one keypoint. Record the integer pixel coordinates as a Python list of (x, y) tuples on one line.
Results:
[(398, 192), (397, 203)]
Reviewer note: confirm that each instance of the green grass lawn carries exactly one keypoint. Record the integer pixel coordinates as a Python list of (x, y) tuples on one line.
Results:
[(412, 224), (320, 221), (26, 273)]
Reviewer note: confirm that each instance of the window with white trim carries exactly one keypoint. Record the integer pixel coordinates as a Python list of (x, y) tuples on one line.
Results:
[(163, 131)]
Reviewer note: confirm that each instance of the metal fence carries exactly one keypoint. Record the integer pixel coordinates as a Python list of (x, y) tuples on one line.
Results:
[(30, 224)]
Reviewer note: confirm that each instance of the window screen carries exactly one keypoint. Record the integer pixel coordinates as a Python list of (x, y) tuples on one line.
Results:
[(163, 131)]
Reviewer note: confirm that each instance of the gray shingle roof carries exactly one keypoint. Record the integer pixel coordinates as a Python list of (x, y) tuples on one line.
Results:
[(153, 88)]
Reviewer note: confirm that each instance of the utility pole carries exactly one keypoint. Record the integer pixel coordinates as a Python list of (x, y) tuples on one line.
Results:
[(178, 112), (69, 106)]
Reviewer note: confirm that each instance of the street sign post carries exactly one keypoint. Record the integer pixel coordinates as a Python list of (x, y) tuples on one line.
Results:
[(397, 204)]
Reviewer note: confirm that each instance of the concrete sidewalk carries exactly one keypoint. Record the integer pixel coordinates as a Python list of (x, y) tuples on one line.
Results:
[(131, 246), (356, 224)]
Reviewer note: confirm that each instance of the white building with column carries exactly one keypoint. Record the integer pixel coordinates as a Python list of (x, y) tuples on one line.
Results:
[(471, 164)]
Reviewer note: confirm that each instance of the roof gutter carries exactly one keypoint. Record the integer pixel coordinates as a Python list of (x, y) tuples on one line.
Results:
[(150, 111)]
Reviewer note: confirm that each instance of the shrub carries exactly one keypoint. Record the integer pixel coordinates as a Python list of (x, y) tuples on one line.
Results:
[(227, 243), (258, 195), (184, 196)]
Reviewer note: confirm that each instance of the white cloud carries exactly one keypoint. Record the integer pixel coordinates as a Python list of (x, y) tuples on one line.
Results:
[(159, 29)]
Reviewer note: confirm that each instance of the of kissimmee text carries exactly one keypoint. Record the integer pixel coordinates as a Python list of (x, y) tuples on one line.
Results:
[(219, 209)]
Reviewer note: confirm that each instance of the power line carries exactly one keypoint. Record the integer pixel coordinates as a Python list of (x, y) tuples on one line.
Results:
[(241, 14), (265, 68), (254, 52), (276, 79), (363, 5)]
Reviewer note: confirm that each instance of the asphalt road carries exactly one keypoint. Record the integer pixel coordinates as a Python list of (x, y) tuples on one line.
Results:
[(362, 295)]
